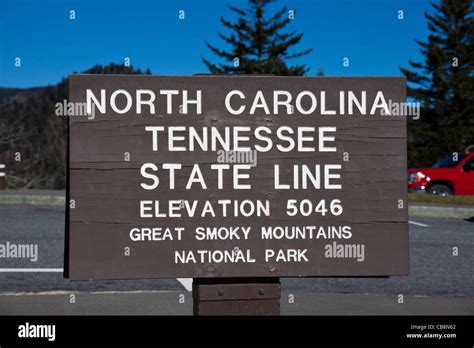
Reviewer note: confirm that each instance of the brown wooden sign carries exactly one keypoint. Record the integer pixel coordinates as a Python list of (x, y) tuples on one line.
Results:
[(236, 176)]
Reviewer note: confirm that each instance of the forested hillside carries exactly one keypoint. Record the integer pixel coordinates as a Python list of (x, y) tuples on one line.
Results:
[(32, 138)]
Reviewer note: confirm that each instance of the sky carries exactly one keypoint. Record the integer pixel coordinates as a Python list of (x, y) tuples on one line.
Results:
[(150, 33)]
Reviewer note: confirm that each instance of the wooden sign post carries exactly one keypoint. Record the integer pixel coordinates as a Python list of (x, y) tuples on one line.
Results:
[(249, 177)]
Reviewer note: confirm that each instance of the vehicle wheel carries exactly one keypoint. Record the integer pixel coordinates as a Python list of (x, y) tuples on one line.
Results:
[(439, 189)]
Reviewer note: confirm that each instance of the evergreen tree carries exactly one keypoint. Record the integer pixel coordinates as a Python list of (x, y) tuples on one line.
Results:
[(443, 83), (258, 45)]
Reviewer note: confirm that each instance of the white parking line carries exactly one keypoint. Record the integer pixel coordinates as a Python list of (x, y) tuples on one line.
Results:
[(186, 282), (418, 223), (30, 270)]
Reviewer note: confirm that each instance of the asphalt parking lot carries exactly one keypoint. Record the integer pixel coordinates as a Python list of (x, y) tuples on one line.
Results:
[(440, 278)]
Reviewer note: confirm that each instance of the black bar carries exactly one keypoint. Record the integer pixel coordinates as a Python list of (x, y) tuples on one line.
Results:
[(258, 330)]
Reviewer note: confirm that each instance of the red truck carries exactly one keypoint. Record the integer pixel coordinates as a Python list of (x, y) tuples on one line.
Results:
[(451, 175)]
